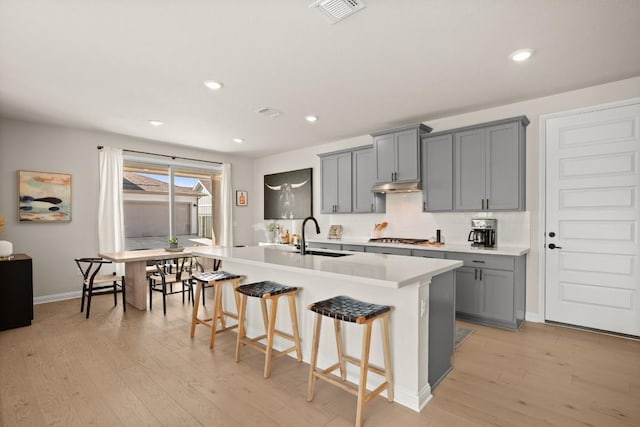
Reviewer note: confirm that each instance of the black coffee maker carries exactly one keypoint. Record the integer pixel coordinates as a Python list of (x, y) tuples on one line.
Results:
[(483, 233)]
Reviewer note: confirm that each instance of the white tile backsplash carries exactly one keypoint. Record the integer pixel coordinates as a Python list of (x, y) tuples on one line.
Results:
[(406, 219)]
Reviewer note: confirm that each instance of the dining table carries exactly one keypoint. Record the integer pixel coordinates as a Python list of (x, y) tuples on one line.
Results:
[(136, 269)]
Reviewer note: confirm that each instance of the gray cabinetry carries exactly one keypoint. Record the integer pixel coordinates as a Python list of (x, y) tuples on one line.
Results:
[(489, 166), (388, 250), (490, 289), (397, 153), (323, 245), (336, 183), (437, 173), (347, 178), (427, 253), (364, 177)]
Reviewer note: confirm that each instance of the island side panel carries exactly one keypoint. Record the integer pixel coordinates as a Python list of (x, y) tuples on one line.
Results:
[(408, 327), (442, 313)]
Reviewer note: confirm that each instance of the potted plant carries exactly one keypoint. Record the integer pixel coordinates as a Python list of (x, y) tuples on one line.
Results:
[(173, 242), (271, 232)]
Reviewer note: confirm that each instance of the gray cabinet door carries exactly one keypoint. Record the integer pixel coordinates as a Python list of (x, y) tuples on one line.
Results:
[(336, 183), (437, 173), (467, 290), (364, 177), (384, 146), (503, 167), (407, 155), (343, 183), (469, 167), (427, 253), (388, 251), (329, 189), (496, 295)]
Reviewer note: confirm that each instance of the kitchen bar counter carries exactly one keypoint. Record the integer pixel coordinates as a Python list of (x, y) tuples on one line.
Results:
[(420, 290), (463, 248)]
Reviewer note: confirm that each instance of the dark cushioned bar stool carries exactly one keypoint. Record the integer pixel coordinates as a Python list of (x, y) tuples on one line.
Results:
[(342, 308), (215, 279), (268, 291)]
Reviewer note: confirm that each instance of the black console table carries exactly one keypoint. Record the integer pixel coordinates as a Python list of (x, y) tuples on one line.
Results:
[(16, 290)]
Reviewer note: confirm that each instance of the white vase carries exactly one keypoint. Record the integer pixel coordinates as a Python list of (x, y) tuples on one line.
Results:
[(6, 248)]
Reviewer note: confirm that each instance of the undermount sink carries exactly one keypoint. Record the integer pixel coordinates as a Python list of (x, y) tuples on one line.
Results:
[(321, 253)]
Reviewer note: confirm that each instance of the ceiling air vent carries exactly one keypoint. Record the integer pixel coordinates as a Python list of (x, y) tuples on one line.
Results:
[(337, 10), (269, 112)]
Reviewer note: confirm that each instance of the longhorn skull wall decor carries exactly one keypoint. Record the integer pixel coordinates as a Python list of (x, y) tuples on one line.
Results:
[(288, 195)]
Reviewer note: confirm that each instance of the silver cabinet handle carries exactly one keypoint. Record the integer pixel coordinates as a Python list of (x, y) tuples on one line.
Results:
[(480, 274), (487, 204), (391, 176), (482, 262), (475, 277), (482, 202)]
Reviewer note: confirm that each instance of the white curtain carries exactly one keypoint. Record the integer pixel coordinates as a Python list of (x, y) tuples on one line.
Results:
[(226, 238), (110, 211)]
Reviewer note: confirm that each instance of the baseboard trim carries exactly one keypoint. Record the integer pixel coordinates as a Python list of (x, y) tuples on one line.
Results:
[(533, 317), (57, 297)]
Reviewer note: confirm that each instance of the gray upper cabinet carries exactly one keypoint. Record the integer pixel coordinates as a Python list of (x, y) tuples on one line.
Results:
[(437, 173), (489, 166), (364, 177), (347, 178), (336, 183), (397, 153)]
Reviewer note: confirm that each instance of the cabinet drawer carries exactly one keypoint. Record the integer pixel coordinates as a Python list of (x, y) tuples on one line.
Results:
[(498, 262), (353, 248), (389, 251), (322, 245), (427, 253)]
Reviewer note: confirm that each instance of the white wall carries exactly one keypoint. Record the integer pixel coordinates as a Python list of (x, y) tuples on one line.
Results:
[(404, 211), (53, 246)]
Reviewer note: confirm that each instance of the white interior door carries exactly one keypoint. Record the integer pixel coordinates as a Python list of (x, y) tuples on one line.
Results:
[(592, 216)]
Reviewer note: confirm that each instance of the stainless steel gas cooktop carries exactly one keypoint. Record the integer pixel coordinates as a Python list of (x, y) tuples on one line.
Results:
[(400, 240)]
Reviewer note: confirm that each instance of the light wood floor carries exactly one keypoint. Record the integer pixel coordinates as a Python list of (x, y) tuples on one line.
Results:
[(142, 369)]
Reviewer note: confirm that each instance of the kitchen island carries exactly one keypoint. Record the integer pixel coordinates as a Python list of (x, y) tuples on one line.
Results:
[(421, 290)]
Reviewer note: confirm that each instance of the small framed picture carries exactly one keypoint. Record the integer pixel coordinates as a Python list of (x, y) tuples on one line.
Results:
[(241, 198)]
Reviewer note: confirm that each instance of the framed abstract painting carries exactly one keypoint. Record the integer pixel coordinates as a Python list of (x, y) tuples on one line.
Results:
[(44, 196)]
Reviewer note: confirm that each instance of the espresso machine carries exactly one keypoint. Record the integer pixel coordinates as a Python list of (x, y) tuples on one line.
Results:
[(483, 233)]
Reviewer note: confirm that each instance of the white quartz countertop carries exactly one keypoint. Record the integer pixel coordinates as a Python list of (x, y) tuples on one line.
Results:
[(500, 250), (392, 271)]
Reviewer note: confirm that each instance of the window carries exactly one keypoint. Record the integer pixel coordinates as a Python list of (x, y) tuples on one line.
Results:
[(161, 201)]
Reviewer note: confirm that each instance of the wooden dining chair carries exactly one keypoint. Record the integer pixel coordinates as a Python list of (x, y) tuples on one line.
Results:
[(96, 284), (163, 281)]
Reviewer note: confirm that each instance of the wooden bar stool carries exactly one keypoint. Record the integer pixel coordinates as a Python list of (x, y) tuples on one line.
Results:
[(342, 308), (268, 291), (215, 279)]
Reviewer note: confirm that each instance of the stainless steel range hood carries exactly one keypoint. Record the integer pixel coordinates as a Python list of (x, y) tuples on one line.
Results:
[(397, 187)]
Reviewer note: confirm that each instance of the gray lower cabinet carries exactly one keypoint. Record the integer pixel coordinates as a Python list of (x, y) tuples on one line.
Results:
[(387, 250), (427, 253), (489, 166), (353, 248), (323, 245), (437, 173), (336, 183), (490, 289)]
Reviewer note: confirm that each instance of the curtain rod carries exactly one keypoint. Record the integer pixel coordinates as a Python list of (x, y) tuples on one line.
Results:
[(100, 147)]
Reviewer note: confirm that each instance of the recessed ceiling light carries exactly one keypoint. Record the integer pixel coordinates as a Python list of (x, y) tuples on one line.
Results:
[(213, 85), (311, 119), (237, 140), (155, 123), (521, 55)]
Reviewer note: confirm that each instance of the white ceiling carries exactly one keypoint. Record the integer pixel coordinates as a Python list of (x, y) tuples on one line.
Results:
[(112, 65)]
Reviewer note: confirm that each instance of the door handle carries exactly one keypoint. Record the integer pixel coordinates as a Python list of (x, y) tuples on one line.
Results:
[(553, 246), (480, 274), (487, 204), (371, 207), (482, 201), (475, 277), (552, 234)]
